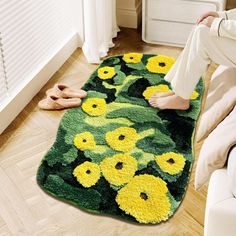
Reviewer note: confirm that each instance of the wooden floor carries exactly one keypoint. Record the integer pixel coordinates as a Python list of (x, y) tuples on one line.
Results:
[(26, 210)]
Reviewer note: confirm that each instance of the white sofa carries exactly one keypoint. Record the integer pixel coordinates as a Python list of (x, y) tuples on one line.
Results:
[(220, 214)]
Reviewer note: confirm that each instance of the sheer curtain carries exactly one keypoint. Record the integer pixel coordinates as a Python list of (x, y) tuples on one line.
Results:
[(99, 28)]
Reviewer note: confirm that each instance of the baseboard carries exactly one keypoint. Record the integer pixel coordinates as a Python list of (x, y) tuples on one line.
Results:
[(24, 95), (130, 18)]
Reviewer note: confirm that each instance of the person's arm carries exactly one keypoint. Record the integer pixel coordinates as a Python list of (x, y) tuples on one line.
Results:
[(225, 25), (227, 15)]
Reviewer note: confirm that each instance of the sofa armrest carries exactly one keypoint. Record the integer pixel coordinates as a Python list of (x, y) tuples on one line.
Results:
[(220, 216)]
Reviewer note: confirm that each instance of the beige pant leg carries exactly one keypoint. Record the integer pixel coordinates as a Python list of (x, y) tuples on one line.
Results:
[(201, 48)]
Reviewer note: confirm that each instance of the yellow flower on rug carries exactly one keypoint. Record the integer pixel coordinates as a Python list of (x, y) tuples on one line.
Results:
[(122, 139), (160, 64), (106, 72), (194, 95), (171, 162), (84, 141), (132, 57), (87, 174), (161, 88), (144, 197), (119, 169), (95, 106)]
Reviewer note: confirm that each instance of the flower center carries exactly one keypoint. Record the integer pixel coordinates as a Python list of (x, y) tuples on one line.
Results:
[(119, 165), (121, 137), (171, 161), (144, 196), (88, 171), (84, 140), (131, 58), (105, 72), (162, 64), (94, 105)]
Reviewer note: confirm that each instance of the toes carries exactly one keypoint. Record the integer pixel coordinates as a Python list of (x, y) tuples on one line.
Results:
[(162, 94), (154, 104), (158, 103), (154, 96), (151, 100), (83, 93), (151, 103)]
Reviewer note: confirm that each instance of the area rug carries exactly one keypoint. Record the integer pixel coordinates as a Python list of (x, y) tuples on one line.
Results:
[(116, 155)]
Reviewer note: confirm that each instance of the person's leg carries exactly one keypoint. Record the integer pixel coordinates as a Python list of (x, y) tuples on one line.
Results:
[(200, 50)]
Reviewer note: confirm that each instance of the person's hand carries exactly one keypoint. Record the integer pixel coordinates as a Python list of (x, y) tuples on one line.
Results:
[(208, 21), (205, 15)]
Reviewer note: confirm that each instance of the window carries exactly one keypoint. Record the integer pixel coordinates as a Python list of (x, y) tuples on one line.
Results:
[(3, 85), (36, 38)]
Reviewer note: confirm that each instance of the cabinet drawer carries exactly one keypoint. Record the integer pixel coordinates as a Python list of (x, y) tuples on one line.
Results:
[(162, 32), (178, 10)]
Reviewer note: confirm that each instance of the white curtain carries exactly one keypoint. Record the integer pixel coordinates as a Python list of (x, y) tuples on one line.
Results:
[(99, 28)]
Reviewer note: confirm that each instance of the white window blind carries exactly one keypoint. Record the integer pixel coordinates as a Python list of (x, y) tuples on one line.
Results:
[(3, 87), (31, 34)]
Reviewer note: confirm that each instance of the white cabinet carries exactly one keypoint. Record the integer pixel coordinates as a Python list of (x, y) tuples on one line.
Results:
[(169, 22)]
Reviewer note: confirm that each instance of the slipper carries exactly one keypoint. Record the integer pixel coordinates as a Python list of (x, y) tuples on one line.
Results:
[(55, 103), (63, 91)]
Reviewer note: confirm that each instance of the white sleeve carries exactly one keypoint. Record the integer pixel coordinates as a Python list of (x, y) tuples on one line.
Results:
[(222, 14), (228, 15), (231, 14), (223, 28)]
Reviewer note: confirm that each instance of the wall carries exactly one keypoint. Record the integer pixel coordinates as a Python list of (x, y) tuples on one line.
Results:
[(129, 13), (231, 4), (75, 16)]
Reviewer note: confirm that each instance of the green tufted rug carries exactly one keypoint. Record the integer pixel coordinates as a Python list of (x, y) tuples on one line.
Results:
[(117, 155)]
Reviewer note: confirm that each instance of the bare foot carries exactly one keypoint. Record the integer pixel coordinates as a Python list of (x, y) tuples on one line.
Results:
[(162, 94), (169, 102)]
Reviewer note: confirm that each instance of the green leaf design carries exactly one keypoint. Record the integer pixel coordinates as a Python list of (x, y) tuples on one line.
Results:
[(146, 57), (164, 175), (174, 204), (162, 139), (119, 78), (192, 112), (56, 152), (132, 100), (117, 68), (70, 156), (156, 144), (152, 77), (137, 114), (136, 66), (112, 61), (95, 94), (86, 198)]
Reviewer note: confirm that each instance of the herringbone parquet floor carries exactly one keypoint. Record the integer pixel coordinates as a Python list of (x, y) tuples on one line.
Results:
[(26, 210)]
